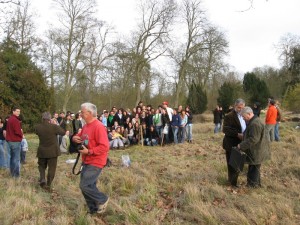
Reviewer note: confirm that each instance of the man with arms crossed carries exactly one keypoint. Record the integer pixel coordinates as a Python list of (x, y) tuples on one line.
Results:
[(94, 152)]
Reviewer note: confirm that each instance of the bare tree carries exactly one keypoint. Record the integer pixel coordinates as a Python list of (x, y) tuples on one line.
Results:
[(200, 55), (19, 27), (148, 40), (285, 48), (194, 21), (75, 19), (96, 52)]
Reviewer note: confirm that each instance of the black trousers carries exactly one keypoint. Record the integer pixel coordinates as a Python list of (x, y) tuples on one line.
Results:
[(253, 176), (232, 173), (51, 164)]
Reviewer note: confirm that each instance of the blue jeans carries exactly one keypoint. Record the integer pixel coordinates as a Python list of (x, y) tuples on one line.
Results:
[(159, 130), (14, 149), (182, 134), (189, 131), (3, 154), (276, 132), (217, 128), (175, 133), (88, 179)]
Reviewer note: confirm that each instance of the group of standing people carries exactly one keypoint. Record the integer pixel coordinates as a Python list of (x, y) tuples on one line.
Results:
[(148, 125), (13, 145), (245, 131)]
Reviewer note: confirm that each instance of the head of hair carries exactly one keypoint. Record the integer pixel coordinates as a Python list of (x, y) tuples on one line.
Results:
[(272, 102), (14, 108), (77, 115), (246, 110), (46, 116), (90, 108), (239, 101)]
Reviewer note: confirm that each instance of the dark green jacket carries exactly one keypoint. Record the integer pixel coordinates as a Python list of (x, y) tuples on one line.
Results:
[(255, 143), (48, 146)]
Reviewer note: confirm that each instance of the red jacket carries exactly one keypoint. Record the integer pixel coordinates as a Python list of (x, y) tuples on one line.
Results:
[(13, 129), (98, 144), (271, 115)]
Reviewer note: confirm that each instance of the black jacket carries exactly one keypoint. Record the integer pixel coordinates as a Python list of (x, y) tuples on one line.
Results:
[(231, 128)]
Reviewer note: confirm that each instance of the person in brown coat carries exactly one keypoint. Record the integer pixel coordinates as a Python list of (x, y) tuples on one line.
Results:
[(48, 149), (233, 128)]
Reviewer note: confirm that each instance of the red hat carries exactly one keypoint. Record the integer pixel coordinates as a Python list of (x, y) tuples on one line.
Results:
[(165, 103)]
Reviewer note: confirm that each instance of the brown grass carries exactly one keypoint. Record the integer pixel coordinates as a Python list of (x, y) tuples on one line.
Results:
[(175, 184)]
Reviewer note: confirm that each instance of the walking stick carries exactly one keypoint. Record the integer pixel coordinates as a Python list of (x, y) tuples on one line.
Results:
[(141, 134)]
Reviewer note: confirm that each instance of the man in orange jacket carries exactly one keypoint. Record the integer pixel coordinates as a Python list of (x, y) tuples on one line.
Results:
[(270, 121)]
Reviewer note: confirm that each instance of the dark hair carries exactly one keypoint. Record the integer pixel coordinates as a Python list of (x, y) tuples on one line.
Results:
[(76, 115), (272, 102), (14, 108)]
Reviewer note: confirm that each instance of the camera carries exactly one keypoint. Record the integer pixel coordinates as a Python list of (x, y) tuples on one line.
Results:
[(79, 147)]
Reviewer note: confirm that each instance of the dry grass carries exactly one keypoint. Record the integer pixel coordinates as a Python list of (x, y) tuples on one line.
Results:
[(175, 184)]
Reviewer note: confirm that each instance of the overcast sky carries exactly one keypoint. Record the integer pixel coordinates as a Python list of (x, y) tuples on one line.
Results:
[(252, 34)]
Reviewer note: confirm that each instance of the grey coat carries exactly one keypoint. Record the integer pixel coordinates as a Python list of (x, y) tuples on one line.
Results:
[(255, 143)]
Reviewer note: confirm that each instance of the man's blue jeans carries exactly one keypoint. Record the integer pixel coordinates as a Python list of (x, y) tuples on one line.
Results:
[(189, 131), (88, 179), (217, 128), (276, 132), (175, 133), (3, 154), (14, 149)]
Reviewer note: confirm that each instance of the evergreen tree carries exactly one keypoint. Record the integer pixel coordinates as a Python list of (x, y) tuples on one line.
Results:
[(228, 93), (255, 89), (22, 84), (197, 98)]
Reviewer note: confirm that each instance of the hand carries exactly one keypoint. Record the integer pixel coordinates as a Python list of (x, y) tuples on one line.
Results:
[(240, 136), (84, 150), (76, 139)]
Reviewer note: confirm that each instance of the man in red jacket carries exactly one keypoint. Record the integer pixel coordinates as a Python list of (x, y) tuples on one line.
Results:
[(95, 147), (14, 137), (270, 120)]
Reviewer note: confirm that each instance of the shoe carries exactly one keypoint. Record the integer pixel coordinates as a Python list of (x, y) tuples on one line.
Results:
[(42, 183), (102, 207), (235, 186), (253, 185)]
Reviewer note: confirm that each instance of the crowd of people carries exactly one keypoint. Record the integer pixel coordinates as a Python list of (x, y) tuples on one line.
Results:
[(143, 124)]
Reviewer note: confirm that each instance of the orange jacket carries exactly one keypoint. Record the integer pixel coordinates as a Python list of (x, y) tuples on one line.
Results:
[(271, 115)]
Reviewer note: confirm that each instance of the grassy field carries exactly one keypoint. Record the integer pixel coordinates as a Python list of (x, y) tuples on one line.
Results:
[(175, 184)]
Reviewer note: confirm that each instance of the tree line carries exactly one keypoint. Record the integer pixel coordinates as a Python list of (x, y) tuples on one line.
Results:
[(82, 58)]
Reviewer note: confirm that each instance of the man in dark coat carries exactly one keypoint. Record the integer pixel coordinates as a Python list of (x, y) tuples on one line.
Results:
[(233, 128), (255, 145), (48, 149)]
